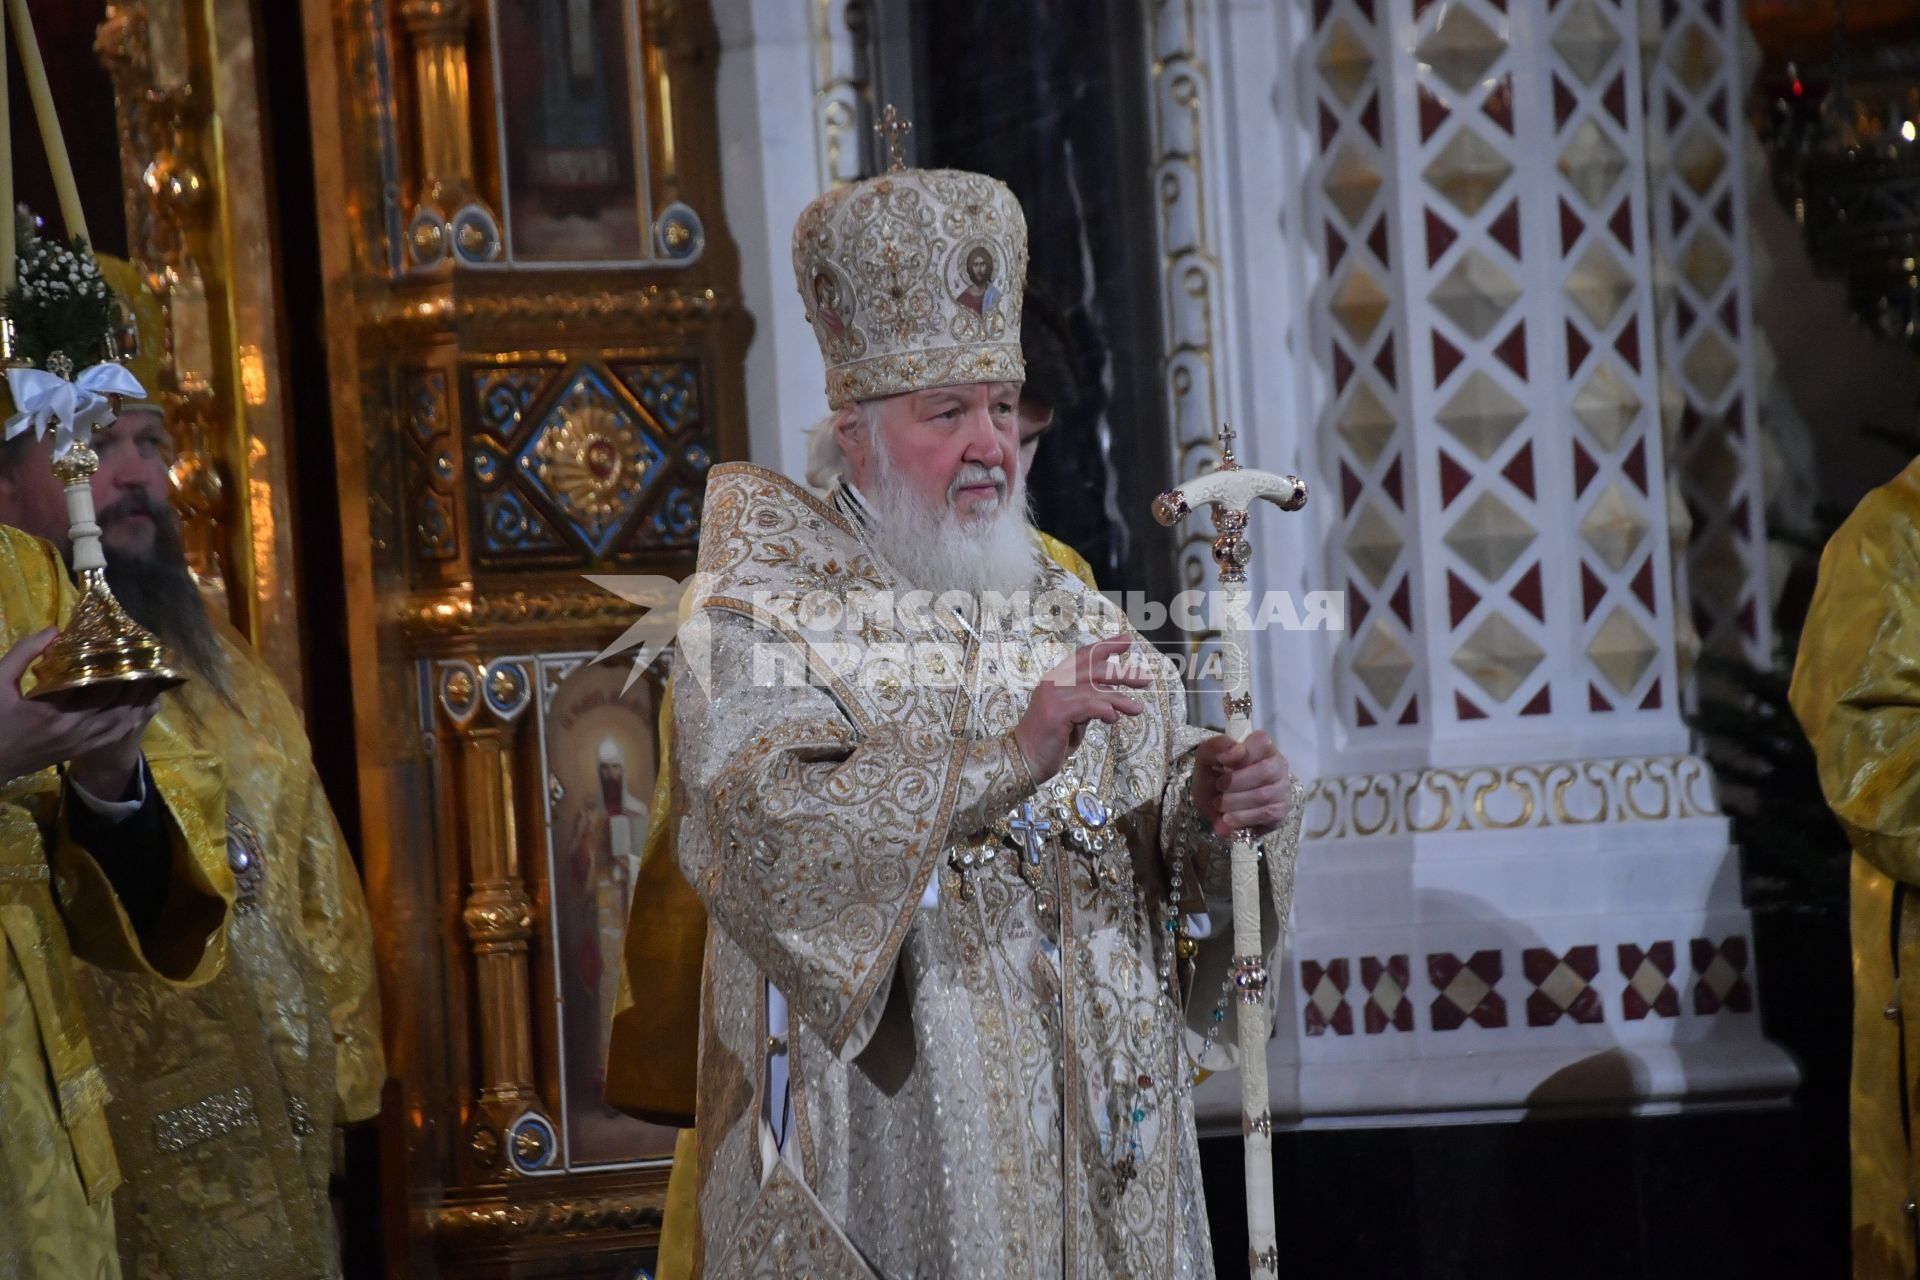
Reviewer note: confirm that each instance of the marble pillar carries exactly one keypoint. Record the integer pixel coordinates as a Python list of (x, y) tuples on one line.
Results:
[(795, 109), (1518, 893), (1699, 159)]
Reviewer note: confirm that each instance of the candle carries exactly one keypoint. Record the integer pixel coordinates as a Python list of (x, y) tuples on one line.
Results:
[(55, 144)]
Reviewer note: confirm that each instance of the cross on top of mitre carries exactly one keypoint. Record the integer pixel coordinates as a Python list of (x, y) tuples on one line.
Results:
[(892, 127)]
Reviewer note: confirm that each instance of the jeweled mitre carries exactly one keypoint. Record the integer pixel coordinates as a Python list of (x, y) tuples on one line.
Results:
[(913, 280)]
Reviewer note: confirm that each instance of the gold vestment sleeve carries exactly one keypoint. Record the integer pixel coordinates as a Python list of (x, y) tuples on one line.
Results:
[(187, 943)]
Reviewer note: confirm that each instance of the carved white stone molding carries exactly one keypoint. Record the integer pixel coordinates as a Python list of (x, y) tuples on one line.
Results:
[(1186, 171), (1564, 793), (843, 110), (1225, 163), (794, 119)]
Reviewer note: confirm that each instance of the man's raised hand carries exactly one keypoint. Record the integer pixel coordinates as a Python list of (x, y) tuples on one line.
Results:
[(1084, 688)]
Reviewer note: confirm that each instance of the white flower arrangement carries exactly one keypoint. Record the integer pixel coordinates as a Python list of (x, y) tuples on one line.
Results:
[(62, 309), (56, 271)]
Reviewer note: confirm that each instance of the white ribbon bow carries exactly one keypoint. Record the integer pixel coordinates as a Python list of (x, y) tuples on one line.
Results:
[(70, 408)]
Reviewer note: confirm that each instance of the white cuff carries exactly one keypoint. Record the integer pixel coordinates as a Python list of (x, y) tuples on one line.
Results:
[(114, 811)]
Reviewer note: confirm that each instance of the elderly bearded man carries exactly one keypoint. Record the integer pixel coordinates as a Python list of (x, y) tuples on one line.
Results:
[(945, 1027), (653, 1047), (224, 1098)]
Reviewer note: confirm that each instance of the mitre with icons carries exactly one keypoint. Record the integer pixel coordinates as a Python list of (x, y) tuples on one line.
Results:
[(60, 341), (913, 279)]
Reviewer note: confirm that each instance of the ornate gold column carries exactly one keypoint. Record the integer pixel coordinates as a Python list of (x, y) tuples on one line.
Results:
[(193, 167), (509, 418), (485, 703), (166, 198), (437, 30)]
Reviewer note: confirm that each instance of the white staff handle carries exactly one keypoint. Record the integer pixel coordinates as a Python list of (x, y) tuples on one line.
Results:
[(1231, 491)]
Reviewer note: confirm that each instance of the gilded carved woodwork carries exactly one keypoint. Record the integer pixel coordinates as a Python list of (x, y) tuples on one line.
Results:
[(591, 1216), (446, 219), (482, 703), (405, 319), (431, 620), (536, 347), (193, 170)]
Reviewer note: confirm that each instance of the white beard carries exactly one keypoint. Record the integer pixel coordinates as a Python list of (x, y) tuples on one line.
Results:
[(938, 549)]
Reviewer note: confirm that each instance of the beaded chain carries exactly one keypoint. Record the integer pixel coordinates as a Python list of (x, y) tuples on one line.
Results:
[(1123, 1148)]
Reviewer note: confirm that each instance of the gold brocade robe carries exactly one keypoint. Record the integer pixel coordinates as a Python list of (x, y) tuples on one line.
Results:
[(960, 1073), (57, 1163), (653, 1051), (226, 1097), (1856, 691)]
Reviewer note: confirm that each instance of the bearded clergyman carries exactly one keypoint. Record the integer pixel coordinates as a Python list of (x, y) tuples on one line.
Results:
[(224, 1097), (962, 853), (653, 1042)]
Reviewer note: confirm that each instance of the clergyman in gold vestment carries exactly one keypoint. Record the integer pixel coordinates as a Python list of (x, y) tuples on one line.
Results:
[(1856, 690), (653, 1048), (58, 1169), (225, 1098), (935, 1039)]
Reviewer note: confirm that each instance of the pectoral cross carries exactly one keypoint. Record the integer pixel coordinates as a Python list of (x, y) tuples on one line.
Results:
[(1031, 828), (892, 128)]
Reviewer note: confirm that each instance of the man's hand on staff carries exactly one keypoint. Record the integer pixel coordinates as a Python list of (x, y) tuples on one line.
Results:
[(1242, 784), (101, 746), (1084, 688)]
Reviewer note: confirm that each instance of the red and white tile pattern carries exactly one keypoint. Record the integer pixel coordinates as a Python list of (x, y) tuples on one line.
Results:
[(1467, 990)]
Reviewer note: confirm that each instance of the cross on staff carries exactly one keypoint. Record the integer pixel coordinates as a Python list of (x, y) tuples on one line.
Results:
[(1227, 461), (891, 128)]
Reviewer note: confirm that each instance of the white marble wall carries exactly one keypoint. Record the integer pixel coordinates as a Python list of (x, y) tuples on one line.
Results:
[(1518, 890)]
